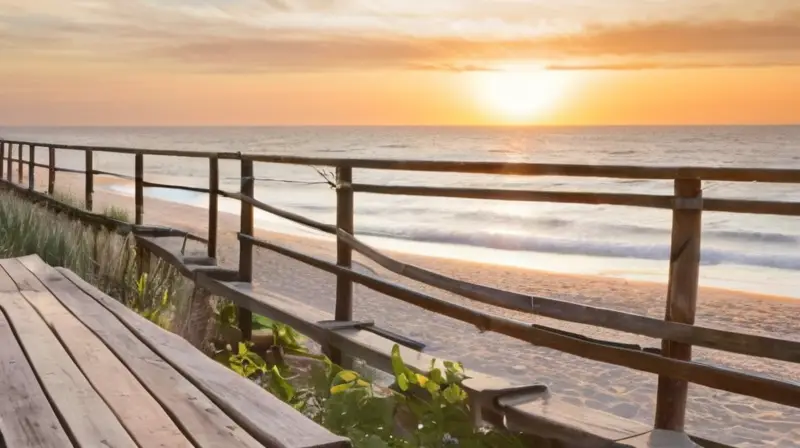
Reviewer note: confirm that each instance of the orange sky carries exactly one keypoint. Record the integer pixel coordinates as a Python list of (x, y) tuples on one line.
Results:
[(251, 62)]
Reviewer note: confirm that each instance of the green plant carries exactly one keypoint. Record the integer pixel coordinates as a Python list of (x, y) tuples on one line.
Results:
[(142, 304), (118, 213), (104, 259), (428, 409)]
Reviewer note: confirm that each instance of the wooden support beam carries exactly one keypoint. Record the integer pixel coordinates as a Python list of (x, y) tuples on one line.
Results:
[(682, 290), (19, 164), (2, 157), (139, 189), (51, 171), (89, 180), (31, 167), (245, 246), (9, 162), (213, 205), (344, 254)]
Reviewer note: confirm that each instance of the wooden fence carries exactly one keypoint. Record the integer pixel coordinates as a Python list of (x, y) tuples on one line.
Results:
[(673, 363)]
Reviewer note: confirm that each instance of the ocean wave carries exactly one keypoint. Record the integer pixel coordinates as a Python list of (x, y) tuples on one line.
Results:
[(393, 146), (550, 224), (566, 246)]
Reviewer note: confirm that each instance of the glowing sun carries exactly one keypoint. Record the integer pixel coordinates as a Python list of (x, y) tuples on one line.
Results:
[(519, 96)]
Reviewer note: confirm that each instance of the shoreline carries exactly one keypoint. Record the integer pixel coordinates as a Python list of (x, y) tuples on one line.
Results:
[(263, 227), (713, 414)]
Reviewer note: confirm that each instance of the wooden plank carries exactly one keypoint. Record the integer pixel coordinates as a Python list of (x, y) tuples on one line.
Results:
[(327, 228), (752, 207), (86, 416), (213, 205), (51, 171), (753, 345), (139, 189), (271, 421), (684, 272), (139, 413), (545, 169), (569, 197), (174, 187), (26, 418), (144, 151), (659, 439), (205, 424), (766, 388), (246, 247), (552, 418)]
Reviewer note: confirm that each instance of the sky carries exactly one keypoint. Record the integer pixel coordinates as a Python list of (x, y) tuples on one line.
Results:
[(385, 62)]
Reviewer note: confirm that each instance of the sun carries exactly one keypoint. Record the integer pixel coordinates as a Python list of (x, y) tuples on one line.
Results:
[(519, 96)]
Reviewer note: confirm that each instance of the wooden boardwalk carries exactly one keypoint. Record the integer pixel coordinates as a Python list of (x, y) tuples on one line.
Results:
[(79, 369), (343, 337)]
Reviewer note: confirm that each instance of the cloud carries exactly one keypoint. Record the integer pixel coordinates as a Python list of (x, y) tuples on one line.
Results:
[(315, 35), (672, 44)]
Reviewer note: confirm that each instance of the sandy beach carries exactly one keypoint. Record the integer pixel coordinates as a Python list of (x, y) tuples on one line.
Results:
[(716, 415)]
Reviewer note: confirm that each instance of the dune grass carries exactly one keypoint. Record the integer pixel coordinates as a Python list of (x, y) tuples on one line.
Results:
[(104, 259)]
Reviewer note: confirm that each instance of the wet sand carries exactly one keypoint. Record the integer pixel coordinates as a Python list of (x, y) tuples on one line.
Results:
[(716, 415)]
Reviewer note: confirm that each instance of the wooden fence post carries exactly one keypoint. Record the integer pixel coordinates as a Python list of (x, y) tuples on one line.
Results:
[(9, 162), (51, 172), (213, 204), (89, 184), (344, 254), (19, 163), (31, 167), (142, 254), (139, 189), (2, 158), (246, 247), (682, 290)]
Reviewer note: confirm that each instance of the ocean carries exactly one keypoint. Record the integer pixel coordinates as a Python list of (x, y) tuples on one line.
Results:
[(756, 253)]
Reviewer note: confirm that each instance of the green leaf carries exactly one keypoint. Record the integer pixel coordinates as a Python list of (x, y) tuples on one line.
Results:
[(432, 387), (348, 376), (341, 388), (398, 366), (455, 367), (421, 379), (402, 382), (228, 314), (281, 383), (165, 299), (261, 322), (237, 368), (454, 394), (255, 359), (436, 376), (242, 349)]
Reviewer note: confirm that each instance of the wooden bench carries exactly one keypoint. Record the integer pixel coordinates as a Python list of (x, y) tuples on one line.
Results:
[(79, 369)]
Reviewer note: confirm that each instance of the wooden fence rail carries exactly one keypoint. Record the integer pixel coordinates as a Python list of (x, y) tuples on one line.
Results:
[(672, 363)]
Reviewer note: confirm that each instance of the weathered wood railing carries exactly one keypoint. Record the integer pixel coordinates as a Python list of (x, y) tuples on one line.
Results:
[(672, 363)]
